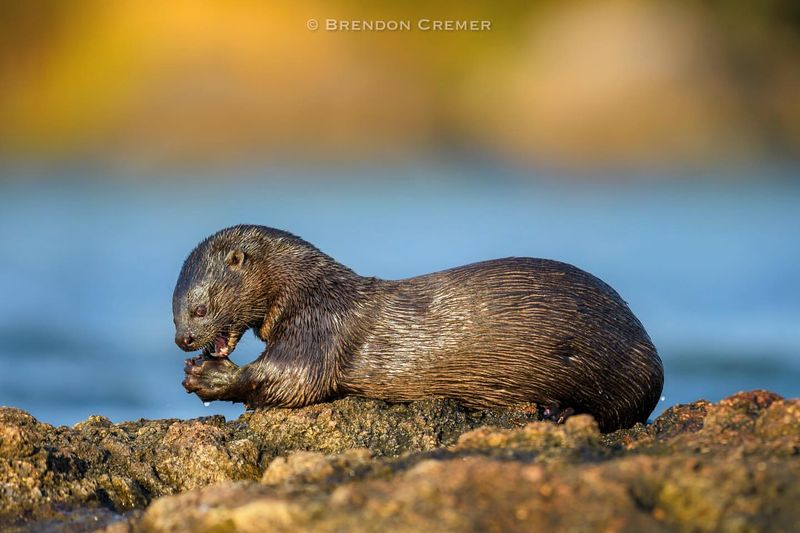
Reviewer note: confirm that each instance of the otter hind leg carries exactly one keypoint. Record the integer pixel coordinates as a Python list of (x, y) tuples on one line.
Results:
[(212, 378), (556, 413)]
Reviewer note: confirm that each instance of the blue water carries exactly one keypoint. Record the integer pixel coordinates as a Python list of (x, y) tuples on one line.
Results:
[(712, 269)]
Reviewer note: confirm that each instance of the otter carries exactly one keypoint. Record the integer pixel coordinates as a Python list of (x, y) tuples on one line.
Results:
[(489, 334)]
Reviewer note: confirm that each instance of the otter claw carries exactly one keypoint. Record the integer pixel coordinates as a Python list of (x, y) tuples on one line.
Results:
[(556, 414), (193, 365)]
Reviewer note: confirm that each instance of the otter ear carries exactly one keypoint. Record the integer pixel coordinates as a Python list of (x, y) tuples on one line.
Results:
[(235, 259)]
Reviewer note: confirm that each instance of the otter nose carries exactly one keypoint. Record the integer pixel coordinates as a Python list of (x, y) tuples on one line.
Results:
[(184, 340)]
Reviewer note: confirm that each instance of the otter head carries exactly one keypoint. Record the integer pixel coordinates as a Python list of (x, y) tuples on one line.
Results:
[(216, 295)]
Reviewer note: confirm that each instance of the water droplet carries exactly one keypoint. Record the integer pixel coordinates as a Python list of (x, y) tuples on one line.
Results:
[(663, 398), (206, 403)]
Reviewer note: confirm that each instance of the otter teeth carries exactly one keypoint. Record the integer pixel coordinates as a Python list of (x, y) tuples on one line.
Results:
[(221, 346)]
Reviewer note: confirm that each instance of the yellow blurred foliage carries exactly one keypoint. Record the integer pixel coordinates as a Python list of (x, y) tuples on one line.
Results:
[(580, 82)]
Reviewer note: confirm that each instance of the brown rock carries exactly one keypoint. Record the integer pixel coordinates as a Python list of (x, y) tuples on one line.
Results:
[(359, 465)]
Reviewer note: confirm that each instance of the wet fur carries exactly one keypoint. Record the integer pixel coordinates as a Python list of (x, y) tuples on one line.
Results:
[(488, 334)]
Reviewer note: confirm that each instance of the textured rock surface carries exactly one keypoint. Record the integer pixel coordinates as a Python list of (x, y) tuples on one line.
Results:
[(368, 466), (46, 470)]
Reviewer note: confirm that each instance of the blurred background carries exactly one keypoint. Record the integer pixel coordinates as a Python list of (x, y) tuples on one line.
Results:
[(652, 143)]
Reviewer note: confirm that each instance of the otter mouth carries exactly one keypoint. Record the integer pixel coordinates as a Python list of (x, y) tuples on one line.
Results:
[(223, 344)]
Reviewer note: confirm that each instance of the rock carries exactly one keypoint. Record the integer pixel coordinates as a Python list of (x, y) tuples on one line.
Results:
[(121, 467), (363, 465), (303, 468), (380, 427)]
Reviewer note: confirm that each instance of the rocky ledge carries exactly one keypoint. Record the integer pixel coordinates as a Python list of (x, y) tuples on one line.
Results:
[(364, 465)]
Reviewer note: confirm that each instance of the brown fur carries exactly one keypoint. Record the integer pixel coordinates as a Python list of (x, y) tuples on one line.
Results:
[(488, 334)]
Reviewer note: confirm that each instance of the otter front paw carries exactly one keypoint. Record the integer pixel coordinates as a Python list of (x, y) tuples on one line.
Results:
[(211, 378)]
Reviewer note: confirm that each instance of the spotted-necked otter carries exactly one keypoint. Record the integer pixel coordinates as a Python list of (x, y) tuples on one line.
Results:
[(489, 334)]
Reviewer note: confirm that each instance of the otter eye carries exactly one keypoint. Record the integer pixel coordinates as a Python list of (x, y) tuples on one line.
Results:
[(200, 310)]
